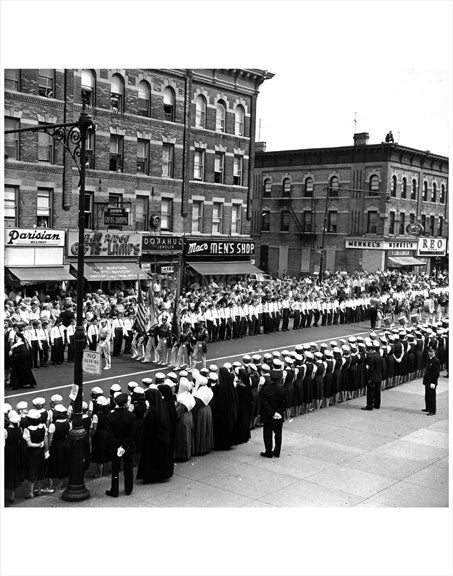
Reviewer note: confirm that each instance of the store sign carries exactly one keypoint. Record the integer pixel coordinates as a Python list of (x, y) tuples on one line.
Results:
[(217, 248), (116, 217), (167, 269), (106, 244), (365, 244), (399, 253), (382, 244), (432, 246), (33, 237), (161, 243)]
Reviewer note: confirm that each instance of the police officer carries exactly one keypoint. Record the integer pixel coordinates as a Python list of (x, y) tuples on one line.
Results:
[(373, 364), (430, 378)]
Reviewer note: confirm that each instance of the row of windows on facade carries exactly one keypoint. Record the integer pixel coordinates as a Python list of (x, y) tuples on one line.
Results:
[(373, 188), (308, 227), (94, 213), (46, 153), (46, 88)]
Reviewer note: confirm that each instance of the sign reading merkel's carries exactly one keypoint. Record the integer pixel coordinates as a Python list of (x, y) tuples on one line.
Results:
[(219, 248)]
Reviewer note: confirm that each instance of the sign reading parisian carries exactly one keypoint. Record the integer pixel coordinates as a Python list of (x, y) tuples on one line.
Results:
[(161, 243), (218, 248), (105, 244), (33, 237), (432, 246)]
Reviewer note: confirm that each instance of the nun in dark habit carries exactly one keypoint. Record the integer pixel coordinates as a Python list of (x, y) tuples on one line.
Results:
[(224, 406)]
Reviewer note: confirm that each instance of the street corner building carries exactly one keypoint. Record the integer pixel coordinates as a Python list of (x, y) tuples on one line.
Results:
[(361, 207), (169, 173)]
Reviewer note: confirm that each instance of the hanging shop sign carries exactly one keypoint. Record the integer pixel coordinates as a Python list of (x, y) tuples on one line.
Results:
[(432, 246), (167, 269), (33, 237), (106, 244), (218, 248), (116, 217), (159, 243)]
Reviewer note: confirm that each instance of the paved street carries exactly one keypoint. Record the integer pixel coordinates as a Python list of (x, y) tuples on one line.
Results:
[(335, 457)]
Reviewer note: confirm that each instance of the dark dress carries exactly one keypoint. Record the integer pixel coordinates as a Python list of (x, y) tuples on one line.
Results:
[(15, 451), (224, 407), (35, 468), (184, 433), (241, 431), (318, 383), (170, 401), (21, 373), (289, 387), (203, 435), (328, 378), (308, 383), (299, 385), (156, 459), (86, 423), (58, 462), (102, 442)]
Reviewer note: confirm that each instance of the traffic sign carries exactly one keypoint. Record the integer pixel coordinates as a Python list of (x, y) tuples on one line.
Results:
[(92, 362)]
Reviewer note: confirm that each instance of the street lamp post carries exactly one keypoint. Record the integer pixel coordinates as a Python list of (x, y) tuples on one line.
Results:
[(323, 238)]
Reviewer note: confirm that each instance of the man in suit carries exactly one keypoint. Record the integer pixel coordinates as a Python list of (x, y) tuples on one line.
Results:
[(373, 365), (430, 379), (122, 426), (272, 411)]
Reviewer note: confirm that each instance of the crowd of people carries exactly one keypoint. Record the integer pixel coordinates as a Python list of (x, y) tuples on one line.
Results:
[(40, 329), (189, 412)]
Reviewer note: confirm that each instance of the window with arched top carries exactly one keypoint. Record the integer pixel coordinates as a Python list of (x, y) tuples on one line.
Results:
[(434, 192), (200, 111), (239, 119), (267, 188), (393, 187), (169, 104), (425, 191), (414, 189), (117, 93), (404, 188), (144, 98), (334, 185), (442, 194), (308, 189), (374, 185), (286, 187), (88, 87), (220, 116)]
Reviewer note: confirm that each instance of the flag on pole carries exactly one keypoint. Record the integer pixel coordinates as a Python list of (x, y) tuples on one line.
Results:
[(176, 318), (141, 309), (151, 308)]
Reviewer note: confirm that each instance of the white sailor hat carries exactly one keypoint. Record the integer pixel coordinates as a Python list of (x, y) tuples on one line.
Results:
[(34, 414), (60, 408), (117, 393), (237, 364), (97, 391), (56, 398), (169, 382), (131, 385), (346, 348), (252, 366), (183, 374), (328, 354), (277, 363), (299, 358), (138, 390), (147, 381), (159, 376), (337, 350), (361, 345), (228, 365), (306, 346), (102, 401), (313, 345), (288, 360), (265, 367), (368, 343), (84, 405), (376, 344), (13, 417), (267, 356), (7, 408), (213, 368), (323, 346), (299, 348), (334, 343), (293, 353), (285, 352), (352, 340), (38, 401), (246, 359), (256, 358), (22, 405), (115, 388), (309, 355), (172, 376), (205, 371), (213, 376), (318, 355), (276, 354)]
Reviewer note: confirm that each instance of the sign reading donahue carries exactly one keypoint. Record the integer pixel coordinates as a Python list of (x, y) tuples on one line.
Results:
[(219, 248), (106, 243), (92, 362), (33, 237), (432, 246), (158, 243)]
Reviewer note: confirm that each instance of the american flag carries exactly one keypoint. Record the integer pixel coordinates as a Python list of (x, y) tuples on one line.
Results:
[(151, 309), (141, 310)]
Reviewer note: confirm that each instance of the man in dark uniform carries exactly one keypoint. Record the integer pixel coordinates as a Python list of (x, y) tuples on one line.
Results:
[(272, 412), (430, 379), (373, 366), (121, 424)]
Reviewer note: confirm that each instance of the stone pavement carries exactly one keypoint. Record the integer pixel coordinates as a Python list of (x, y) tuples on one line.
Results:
[(336, 457)]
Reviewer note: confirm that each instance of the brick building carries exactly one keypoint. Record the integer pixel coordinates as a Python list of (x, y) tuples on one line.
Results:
[(363, 195), (174, 148)]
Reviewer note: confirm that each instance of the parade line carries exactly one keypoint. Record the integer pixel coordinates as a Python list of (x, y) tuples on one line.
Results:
[(160, 369)]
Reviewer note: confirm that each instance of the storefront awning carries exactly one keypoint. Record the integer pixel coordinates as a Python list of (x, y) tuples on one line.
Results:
[(405, 261), (41, 274), (224, 268), (99, 271)]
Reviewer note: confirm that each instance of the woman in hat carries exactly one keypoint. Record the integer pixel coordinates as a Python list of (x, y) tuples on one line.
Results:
[(15, 450), (184, 425), (58, 461), (156, 458), (224, 406), (35, 436), (101, 452), (21, 373)]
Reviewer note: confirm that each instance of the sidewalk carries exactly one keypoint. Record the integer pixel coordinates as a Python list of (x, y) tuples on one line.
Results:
[(336, 457)]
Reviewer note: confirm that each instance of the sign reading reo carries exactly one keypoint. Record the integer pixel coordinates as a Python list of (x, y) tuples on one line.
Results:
[(33, 237), (432, 246), (161, 243), (105, 244), (218, 248)]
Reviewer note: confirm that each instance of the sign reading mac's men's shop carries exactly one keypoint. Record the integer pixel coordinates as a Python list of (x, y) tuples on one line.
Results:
[(106, 244), (218, 248), (33, 237), (432, 246), (161, 243)]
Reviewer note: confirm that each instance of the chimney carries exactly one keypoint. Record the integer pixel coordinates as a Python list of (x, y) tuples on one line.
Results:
[(361, 139), (260, 146)]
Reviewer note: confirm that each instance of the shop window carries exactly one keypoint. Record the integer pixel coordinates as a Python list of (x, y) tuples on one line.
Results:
[(332, 221), (286, 188), (200, 111), (168, 163), (414, 189), (442, 194), (432, 225), (393, 187), (11, 203), (239, 116), (45, 148), (141, 213), (220, 116), (307, 223), (236, 219), (266, 221), (284, 221), (116, 153), (88, 87), (166, 214), (144, 99), (392, 223), (88, 210), (198, 165), (197, 217), (372, 222), (219, 167), (267, 188), (425, 191), (404, 188), (237, 170), (434, 192), (440, 228), (12, 140), (423, 222), (374, 185), (402, 230), (334, 185), (308, 187), (117, 94), (217, 218), (44, 208), (12, 79), (46, 83), (169, 104)]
